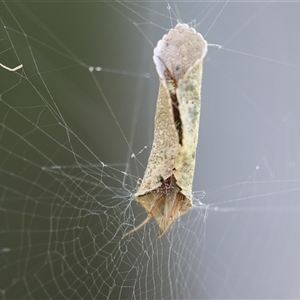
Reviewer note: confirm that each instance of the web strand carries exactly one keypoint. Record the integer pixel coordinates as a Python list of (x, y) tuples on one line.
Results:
[(77, 105)]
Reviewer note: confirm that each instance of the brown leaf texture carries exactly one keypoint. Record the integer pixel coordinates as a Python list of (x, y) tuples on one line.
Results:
[(166, 189)]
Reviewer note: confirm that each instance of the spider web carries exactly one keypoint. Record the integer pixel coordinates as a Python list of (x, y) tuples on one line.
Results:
[(76, 132)]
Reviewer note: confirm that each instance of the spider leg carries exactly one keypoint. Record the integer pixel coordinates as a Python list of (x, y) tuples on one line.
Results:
[(150, 214), (173, 212)]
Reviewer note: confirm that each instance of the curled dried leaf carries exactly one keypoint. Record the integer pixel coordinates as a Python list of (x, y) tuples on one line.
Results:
[(166, 189)]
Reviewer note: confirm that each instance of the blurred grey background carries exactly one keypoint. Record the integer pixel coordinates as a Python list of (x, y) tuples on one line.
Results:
[(62, 225)]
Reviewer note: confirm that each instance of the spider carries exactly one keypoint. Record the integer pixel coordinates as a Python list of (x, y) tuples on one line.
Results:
[(166, 203)]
